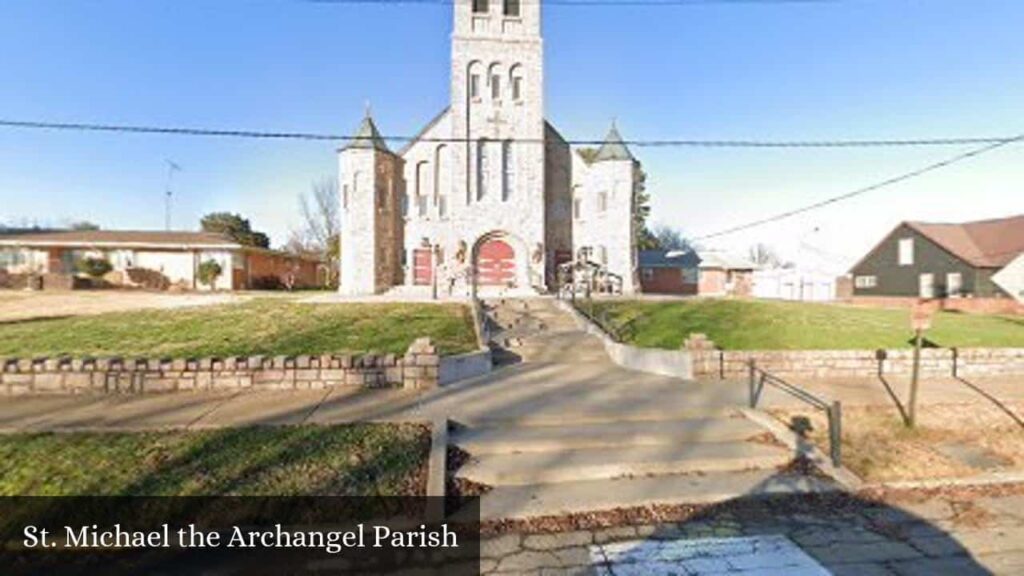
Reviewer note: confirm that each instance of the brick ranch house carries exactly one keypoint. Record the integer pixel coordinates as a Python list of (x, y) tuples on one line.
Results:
[(700, 273), (951, 263), (151, 260)]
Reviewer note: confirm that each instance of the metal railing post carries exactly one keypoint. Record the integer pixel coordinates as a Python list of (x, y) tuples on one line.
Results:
[(835, 432), (752, 383)]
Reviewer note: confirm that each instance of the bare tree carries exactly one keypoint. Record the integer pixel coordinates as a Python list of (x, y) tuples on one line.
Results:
[(321, 225), (320, 213), (765, 256)]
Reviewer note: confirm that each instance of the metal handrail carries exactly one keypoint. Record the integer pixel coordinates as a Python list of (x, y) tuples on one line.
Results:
[(833, 410)]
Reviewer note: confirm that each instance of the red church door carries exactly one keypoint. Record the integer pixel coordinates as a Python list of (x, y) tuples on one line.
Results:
[(496, 264), (422, 269)]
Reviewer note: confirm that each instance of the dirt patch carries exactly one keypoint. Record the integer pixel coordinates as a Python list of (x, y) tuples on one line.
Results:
[(950, 441)]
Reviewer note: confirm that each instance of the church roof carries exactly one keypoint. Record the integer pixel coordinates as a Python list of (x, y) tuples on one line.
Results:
[(433, 122), (613, 147), (367, 136)]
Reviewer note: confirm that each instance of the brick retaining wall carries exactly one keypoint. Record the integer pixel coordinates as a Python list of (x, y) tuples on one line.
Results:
[(859, 363), (969, 305), (417, 369)]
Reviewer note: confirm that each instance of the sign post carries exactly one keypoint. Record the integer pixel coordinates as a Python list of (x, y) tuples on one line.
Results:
[(920, 320)]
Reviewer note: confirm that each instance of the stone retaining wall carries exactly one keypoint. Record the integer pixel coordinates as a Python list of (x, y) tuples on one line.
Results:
[(859, 363), (418, 369)]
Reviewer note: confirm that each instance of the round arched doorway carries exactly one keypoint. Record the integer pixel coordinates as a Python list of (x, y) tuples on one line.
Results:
[(495, 262)]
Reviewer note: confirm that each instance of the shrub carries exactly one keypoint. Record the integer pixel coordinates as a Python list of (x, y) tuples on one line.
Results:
[(147, 278), (94, 267), (208, 273)]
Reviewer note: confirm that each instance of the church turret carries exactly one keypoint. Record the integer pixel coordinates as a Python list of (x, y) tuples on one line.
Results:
[(371, 231), (613, 148), (605, 207)]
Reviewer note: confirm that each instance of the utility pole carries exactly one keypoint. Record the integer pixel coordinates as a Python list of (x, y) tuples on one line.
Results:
[(171, 169)]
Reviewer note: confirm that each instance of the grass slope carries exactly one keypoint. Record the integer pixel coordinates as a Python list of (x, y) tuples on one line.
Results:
[(261, 327), (764, 325), (352, 460)]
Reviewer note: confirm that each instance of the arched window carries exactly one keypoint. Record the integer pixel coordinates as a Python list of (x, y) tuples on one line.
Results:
[(483, 168), (516, 82), (494, 79), (473, 73), (508, 163), (421, 192), (441, 175), (511, 7)]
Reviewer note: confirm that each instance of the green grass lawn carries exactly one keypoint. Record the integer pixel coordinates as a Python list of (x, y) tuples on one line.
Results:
[(769, 325), (351, 460), (268, 327)]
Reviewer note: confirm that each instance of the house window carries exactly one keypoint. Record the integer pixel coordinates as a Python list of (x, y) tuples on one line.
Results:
[(865, 281), (648, 273), (577, 208), (690, 275), (10, 257), (602, 202), (954, 284), (480, 6), (344, 197), (511, 7), (495, 87), (906, 252), (926, 286)]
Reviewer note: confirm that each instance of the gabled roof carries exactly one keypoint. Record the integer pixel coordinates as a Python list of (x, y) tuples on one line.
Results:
[(367, 137), (667, 259), (613, 148), (724, 260), (87, 238), (983, 243), (433, 122)]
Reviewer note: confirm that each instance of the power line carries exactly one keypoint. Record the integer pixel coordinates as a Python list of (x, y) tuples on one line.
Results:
[(591, 3), (883, 184), (670, 143)]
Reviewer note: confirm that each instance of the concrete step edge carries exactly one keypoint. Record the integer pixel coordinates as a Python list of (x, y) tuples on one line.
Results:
[(534, 500)]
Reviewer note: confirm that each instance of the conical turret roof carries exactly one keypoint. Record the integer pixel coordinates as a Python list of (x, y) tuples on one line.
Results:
[(367, 136), (613, 147)]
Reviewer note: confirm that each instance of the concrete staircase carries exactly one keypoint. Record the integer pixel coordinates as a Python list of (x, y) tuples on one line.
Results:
[(544, 468), (608, 455)]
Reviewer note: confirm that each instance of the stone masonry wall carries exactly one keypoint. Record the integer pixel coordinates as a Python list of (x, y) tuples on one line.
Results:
[(417, 369), (948, 362)]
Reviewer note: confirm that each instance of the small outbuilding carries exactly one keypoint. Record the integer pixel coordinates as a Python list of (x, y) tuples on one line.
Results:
[(695, 273), (151, 259)]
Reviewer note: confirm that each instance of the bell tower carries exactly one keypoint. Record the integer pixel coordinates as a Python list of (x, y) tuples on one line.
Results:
[(497, 95)]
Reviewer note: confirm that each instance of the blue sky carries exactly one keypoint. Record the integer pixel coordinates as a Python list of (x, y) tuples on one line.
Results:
[(832, 70)]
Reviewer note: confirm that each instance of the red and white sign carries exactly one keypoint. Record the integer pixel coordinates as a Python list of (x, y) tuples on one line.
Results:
[(921, 316)]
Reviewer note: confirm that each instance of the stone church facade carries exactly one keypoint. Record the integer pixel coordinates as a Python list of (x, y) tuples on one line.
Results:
[(488, 197)]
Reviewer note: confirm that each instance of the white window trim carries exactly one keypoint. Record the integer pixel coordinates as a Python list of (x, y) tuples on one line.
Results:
[(905, 252)]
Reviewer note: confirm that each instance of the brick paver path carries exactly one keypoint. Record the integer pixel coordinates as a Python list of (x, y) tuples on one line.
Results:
[(924, 534)]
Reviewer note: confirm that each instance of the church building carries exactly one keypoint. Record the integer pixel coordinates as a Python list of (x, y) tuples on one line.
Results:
[(488, 198)]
